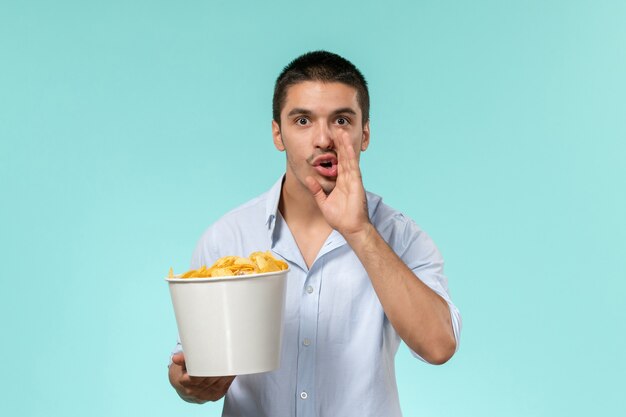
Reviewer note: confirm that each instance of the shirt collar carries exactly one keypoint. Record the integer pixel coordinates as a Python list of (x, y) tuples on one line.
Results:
[(273, 198), (271, 203)]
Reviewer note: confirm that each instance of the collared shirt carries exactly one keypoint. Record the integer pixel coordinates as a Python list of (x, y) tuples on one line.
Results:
[(338, 347)]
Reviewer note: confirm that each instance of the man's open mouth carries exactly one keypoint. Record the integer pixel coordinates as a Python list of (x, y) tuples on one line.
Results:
[(326, 165)]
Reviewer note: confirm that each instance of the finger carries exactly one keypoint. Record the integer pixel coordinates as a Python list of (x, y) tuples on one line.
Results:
[(187, 380), (203, 381), (353, 162), (227, 384), (340, 148), (179, 359), (213, 382), (205, 384), (346, 157), (316, 189), (346, 143), (198, 395), (218, 386), (221, 387)]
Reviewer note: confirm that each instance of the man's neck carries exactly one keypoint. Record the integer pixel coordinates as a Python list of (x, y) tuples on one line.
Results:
[(298, 207), (308, 226)]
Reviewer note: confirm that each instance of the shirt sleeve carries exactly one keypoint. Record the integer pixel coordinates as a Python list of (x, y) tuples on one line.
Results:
[(422, 256), (177, 349), (205, 252)]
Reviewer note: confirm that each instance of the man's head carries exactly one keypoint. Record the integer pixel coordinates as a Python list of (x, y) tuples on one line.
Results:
[(321, 105), (325, 67)]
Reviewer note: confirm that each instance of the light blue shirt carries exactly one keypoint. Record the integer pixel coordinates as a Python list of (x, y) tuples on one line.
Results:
[(338, 346)]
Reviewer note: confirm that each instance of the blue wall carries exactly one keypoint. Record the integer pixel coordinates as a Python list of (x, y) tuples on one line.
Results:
[(126, 128)]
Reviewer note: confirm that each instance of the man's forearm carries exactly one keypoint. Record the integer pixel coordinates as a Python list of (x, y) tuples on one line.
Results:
[(419, 315)]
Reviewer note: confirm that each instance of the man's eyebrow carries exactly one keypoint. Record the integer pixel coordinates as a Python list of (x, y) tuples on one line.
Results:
[(345, 110), (298, 110), (305, 112)]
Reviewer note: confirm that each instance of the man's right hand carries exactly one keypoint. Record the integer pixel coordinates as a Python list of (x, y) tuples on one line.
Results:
[(196, 389)]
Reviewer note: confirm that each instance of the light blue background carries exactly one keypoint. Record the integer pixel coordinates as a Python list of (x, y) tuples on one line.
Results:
[(126, 128)]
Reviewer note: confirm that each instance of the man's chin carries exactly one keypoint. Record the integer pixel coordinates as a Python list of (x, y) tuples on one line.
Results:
[(328, 186)]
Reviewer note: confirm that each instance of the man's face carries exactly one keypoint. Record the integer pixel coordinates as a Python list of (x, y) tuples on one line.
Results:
[(314, 117)]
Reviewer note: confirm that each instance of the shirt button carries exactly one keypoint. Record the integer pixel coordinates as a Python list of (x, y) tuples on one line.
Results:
[(306, 341), (303, 395), (309, 289)]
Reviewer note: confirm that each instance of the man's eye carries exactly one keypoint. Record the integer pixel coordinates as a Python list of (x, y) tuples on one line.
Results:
[(342, 121), (302, 121)]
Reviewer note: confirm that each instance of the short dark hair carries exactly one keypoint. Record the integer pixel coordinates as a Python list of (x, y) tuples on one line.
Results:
[(320, 66)]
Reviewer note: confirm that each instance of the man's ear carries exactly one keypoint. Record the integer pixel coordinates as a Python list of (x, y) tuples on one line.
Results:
[(278, 138), (365, 141)]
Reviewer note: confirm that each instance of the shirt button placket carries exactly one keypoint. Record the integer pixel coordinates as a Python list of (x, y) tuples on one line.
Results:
[(309, 306)]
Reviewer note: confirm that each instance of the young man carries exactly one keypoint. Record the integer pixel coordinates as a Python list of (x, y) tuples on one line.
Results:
[(363, 276)]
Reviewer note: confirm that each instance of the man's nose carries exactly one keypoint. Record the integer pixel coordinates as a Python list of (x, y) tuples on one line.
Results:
[(324, 138)]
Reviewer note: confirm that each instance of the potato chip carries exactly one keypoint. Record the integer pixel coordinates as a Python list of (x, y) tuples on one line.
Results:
[(257, 262), (221, 272)]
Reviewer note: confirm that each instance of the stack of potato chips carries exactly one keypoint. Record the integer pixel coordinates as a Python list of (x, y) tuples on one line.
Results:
[(256, 263)]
